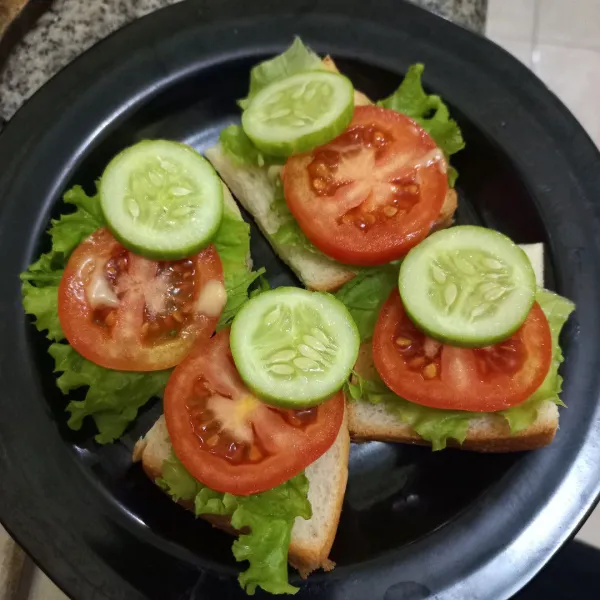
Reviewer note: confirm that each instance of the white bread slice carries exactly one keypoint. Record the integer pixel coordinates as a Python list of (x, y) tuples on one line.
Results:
[(254, 189), (487, 433), (311, 539), (229, 202)]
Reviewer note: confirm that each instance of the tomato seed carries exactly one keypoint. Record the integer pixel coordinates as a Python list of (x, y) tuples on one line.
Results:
[(254, 453), (319, 184), (403, 342), (413, 188), (390, 211), (145, 328), (177, 316), (430, 371), (212, 440), (378, 137), (321, 169), (417, 363), (369, 219), (111, 318)]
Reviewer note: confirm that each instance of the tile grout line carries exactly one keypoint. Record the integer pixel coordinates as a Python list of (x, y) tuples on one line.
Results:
[(563, 45), (535, 34)]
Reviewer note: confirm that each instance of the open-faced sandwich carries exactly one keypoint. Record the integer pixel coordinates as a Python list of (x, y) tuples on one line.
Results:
[(464, 350), (254, 436), (354, 185)]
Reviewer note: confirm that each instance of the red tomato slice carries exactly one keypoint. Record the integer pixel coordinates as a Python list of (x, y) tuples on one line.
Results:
[(125, 312), (430, 373), (231, 441), (373, 193)]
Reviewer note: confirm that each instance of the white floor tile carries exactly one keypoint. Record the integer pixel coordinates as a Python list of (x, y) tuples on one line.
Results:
[(573, 74), (519, 49), (510, 19), (590, 532), (43, 589), (12, 559), (569, 22)]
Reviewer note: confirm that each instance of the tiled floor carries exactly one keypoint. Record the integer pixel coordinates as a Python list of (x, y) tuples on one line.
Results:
[(559, 41)]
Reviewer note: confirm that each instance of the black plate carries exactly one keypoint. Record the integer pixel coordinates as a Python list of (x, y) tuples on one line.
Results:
[(416, 524)]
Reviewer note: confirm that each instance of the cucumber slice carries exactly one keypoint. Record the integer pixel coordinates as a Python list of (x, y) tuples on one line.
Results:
[(467, 286), (161, 199), (299, 113), (294, 348)]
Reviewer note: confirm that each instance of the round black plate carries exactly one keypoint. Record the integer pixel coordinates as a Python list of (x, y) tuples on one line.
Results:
[(416, 524)]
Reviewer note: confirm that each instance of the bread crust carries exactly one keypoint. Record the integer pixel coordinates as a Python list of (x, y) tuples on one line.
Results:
[(307, 559)]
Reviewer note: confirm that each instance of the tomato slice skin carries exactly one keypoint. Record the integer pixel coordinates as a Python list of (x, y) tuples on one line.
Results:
[(438, 375), (123, 333), (371, 194), (205, 384)]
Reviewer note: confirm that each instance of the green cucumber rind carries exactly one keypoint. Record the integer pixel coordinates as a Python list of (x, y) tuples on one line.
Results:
[(309, 141), (465, 341), (272, 398), (162, 253)]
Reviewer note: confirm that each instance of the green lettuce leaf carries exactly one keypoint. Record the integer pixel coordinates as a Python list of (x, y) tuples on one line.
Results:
[(429, 111), (232, 242), (295, 59), (240, 149), (364, 295), (40, 281), (177, 481), (269, 516), (71, 229), (112, 399), (267, 520), (42, 302), (263, 285), (557, 310), (438, 425)]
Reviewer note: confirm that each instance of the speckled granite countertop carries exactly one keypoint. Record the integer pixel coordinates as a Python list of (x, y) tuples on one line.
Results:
[(72, 26)]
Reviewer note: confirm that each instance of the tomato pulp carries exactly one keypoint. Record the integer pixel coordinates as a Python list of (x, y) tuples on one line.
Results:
[(371, 194), (125, 312), (231, 441), (425, 371)]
